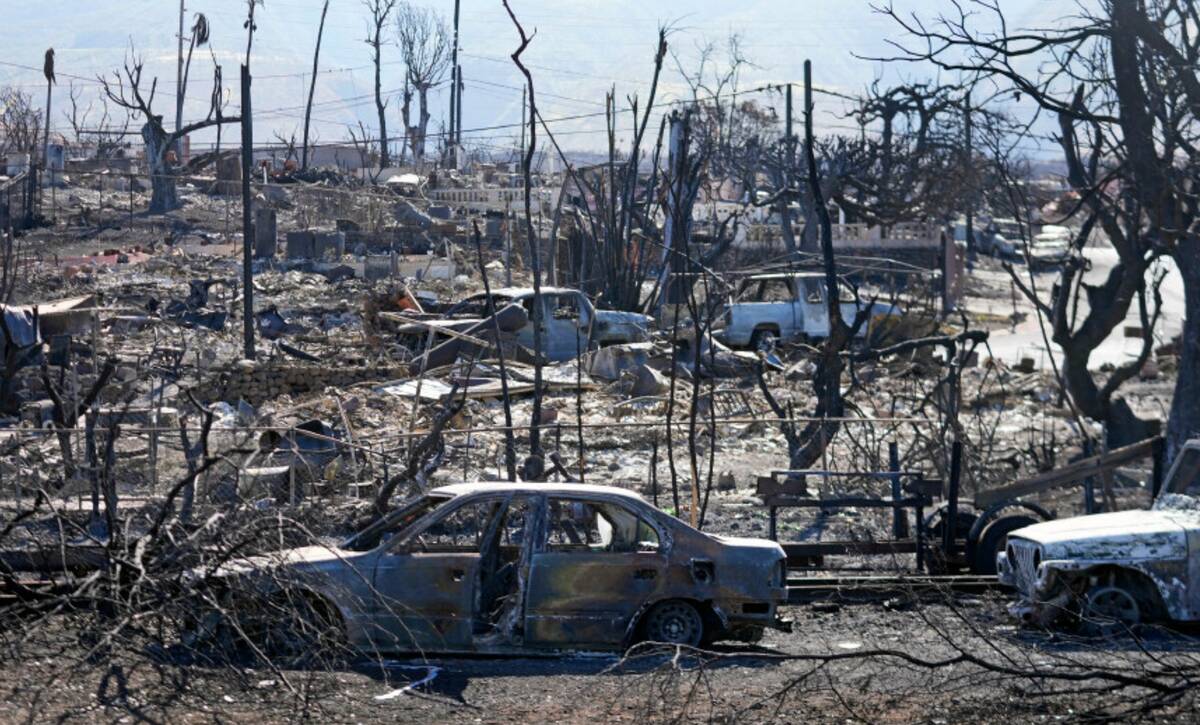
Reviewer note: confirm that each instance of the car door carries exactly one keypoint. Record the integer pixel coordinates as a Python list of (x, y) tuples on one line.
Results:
[(598, 562), (425, 585), (564, 320), (774, 306), (816, 314)]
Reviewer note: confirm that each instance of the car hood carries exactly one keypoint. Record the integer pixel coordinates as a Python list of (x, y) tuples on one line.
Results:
[(303, 558), (1048, 249), (618, 317), (1121, 535)]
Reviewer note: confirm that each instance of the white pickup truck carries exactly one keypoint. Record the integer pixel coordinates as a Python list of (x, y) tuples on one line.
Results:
[(1114, 570), (788, 306)]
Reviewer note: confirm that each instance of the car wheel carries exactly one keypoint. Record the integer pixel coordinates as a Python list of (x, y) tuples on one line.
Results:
[(764, 340), (296, 627), (1109, 610), (936, 561), (675, 622)]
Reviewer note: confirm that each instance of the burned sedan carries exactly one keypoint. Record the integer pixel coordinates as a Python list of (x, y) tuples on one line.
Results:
[(1114, 570), (508, 568)]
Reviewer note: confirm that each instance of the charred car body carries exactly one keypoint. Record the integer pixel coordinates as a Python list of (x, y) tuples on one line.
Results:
[(569, 320), (1114, 569), (510, 568)]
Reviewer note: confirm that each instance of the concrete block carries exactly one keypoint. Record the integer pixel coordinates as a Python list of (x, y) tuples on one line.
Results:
[(377, 267), (329, 244), (300, 245), (265, 233)]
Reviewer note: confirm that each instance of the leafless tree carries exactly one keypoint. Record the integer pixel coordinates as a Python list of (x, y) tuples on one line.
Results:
[(1121, 78), (612, 205), (104, 134), (913, 168), (20, 122), (365, 147), (380, 10), (289, 145), (126, 89), (425, 49)]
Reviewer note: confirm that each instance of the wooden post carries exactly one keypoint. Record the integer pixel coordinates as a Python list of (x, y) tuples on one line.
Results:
[(1089, 483), (949, 530), (899, 515), (455, 81), (179, 83), (153, 450), (247, 222), (970, 212)]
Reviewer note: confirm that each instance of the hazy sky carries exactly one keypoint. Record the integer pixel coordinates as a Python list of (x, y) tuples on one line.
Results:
[(581, 49)]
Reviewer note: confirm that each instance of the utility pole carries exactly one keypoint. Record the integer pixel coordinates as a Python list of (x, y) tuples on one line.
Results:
[(459, 114), (247, 222), (791, 137), (970, 190), (454, 81), (179, 84), (672, 233), (523, 91), (788, 175), (48, 71)]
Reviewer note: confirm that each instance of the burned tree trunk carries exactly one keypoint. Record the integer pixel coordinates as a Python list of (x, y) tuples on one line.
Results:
[(421, 130), (164, 195), (312, 88), (1184, 422)]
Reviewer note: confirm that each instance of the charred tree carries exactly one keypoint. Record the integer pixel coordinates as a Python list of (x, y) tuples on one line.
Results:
[(380, 10), (312, 87), (126, 90), (425, 48), (1136, 99)]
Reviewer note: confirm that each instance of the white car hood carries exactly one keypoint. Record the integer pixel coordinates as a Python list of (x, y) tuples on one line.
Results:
[(1128, 535)]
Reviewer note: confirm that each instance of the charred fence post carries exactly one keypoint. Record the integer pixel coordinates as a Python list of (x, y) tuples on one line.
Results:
[(950, 529), (247, 220), (899, 517), (1089, 483)]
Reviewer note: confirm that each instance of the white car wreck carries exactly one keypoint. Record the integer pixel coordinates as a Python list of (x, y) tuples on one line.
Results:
[(1113, 570), (788, 306)]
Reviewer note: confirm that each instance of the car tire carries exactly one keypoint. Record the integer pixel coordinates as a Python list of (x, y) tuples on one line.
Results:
[(992, 541), (1108, 610), (674, 622), (765, 340), (935, 526), (297, 627)]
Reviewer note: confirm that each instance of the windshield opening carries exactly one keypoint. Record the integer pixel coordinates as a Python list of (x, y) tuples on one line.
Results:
[(394, 523), (1183, 478)]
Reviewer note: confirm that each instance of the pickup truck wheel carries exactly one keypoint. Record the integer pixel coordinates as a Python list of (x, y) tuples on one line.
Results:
[(675, 622), (764, 340), (1109, 610)]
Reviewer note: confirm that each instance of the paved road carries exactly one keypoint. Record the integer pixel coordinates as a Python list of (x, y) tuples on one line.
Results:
[(1026, 340)]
